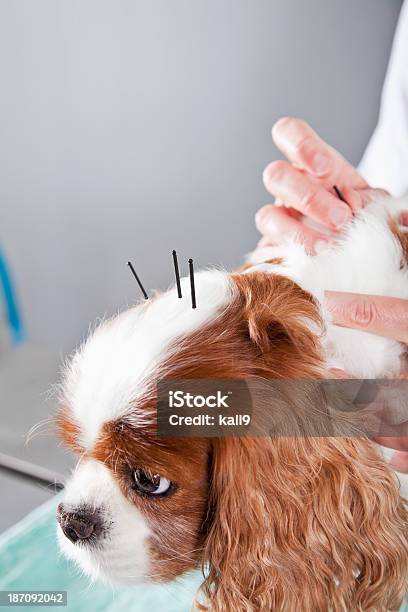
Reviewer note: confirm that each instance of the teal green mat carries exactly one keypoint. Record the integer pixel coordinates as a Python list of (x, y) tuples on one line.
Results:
[(30, 560)]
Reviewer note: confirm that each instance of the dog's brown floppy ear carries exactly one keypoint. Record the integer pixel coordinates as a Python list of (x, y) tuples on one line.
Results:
[(304, 524), (282, 319)]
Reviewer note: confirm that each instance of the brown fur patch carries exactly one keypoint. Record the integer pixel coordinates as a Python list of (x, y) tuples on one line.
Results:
[(67, 429)]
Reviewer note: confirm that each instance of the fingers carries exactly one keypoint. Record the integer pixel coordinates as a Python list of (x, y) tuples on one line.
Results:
[(399, 461), (358, 199), (397, 443), (304, 148), (384, 316), (308, 197), (278, 224)]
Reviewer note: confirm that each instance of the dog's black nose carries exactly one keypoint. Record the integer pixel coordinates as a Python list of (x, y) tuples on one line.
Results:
[(80, 523)]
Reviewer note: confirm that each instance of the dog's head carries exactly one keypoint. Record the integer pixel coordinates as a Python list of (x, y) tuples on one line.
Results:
[(277, 523)]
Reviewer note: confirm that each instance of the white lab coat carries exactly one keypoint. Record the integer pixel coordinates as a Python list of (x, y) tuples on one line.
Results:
[(385, 162)]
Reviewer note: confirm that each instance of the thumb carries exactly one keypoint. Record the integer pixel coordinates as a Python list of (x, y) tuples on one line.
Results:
[(383, 316)]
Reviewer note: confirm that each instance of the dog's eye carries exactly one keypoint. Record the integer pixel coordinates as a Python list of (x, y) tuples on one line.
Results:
[(151, 484)]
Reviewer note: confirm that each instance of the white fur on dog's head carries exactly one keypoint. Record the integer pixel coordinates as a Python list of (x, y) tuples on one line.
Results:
[(124, 355)]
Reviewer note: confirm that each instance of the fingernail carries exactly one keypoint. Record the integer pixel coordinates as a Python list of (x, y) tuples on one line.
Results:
[(338, 215), (320, 163)]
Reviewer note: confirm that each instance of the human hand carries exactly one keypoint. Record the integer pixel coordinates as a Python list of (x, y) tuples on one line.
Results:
[(303, 188), (383, 316)]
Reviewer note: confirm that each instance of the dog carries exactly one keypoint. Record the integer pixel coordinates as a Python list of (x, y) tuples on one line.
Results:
[(277, 523)]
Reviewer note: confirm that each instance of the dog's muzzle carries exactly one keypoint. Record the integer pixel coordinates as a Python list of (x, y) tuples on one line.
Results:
[(81, 524)]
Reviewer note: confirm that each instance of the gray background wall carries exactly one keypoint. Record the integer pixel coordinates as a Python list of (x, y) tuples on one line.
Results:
[(131, 127)]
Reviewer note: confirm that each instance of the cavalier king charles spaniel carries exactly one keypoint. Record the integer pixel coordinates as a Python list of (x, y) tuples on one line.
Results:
[(281, 523)]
